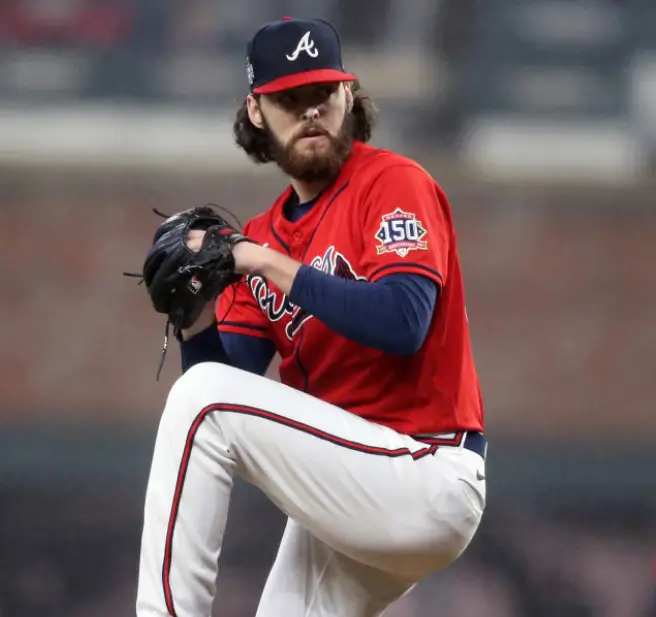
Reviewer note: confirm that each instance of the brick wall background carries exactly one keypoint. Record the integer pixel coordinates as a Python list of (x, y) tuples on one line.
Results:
[(559, 287)]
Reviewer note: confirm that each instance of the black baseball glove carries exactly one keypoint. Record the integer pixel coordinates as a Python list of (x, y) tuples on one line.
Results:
[(180, 281)]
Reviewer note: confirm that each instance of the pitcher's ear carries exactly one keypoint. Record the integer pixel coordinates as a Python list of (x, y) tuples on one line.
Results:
[(254, 112), (349, 97)]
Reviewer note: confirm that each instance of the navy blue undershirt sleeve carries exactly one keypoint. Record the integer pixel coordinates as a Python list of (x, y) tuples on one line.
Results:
[(250, 353), (205, 346), (392, 314)]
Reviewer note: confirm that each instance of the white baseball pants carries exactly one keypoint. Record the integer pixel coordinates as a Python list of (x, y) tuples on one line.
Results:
[(371, 511)]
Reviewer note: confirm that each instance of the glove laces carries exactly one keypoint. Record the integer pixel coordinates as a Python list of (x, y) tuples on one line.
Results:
[(165, 346)]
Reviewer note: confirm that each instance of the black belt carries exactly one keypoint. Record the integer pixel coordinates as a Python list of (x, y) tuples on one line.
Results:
[(476, 442)]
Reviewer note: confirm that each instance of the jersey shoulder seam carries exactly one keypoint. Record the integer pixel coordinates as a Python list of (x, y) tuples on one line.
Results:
[(386, 159), (397, 162)]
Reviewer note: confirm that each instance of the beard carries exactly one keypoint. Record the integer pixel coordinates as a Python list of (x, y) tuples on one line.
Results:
[(313, 165)]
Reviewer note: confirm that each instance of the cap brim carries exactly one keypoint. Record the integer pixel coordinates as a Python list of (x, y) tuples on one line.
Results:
[(303, 79)]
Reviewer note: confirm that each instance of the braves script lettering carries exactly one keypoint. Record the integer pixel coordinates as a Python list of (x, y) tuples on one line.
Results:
[(276, 305)]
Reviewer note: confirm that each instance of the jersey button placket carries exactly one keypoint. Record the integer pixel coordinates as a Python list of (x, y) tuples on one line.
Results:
[(296, 244)]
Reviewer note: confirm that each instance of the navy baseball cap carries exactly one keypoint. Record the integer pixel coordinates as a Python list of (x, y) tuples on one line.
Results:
[(291, 52)]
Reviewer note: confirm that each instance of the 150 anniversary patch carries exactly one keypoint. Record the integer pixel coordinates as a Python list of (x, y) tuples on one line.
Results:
[(400, 232)]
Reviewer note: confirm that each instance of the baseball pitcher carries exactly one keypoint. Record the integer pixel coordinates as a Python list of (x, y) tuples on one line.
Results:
[(372, 443)]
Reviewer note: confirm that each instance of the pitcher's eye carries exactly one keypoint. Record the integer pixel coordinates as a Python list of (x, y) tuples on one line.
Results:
[(287, 100), (305, 96), (323, 93)]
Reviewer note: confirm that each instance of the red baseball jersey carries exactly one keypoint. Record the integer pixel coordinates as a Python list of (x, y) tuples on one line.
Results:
[(384, 214)]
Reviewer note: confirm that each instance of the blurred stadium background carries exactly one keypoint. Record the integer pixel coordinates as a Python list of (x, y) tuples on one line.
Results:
[(539, 119)]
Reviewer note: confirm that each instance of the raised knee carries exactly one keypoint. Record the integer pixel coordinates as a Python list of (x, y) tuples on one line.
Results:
[(203, 372), (202, 384)]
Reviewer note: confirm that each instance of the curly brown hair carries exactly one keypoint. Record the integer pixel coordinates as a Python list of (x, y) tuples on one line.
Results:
[(257, 143)]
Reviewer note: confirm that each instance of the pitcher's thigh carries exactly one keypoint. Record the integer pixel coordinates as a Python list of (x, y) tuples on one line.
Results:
[(309, 579), (360, 487), (349, 481)]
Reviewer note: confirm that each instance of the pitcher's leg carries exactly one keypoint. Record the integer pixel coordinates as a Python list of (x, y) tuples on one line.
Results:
[(185, 513), (363, 489), (310, 579), (358, 486)]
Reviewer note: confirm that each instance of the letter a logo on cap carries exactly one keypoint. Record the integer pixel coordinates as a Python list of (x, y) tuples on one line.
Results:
[(306, 44)]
